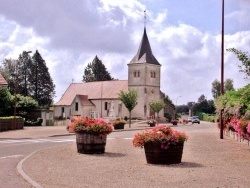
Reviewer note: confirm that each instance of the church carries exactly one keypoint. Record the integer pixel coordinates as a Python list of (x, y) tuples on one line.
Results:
[(99, 99)]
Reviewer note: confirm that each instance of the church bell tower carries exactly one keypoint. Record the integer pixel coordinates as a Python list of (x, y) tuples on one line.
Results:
[(144, 76)]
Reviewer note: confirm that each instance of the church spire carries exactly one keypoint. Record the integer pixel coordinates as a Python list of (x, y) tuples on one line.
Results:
[(144, 53)]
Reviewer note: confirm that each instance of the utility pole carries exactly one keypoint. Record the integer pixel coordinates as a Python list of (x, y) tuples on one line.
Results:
[(222, 71)]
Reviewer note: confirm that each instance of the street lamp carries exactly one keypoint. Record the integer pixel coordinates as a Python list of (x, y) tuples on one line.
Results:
[(222, 70)]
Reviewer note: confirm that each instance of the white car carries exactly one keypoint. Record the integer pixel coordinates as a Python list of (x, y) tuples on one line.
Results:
[(195, 119), (190, 119)]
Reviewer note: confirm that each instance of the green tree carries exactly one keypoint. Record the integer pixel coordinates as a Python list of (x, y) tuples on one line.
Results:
[(235, 102), (41, 86), (6, 102), (245, 59), (156, 106), (203, 105), (22, 71), (96, 71), (129, 99), (8, 71), (25, 105), (228, 86), (215, 88), (31, 77)]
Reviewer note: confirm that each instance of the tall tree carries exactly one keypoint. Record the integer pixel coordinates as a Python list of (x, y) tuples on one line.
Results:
[(129, 99), (96, 71), (31, 78), (245, 59), (216, 88), (156, 106), (22, 71), (228, 86), (41, 84)]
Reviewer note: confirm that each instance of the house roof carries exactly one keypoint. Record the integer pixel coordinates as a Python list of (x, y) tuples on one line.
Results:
[(144, 54), (110, 90), (3, 82), (84, 100)]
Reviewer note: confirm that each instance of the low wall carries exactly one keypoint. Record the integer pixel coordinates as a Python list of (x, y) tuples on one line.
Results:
[(11, 124)]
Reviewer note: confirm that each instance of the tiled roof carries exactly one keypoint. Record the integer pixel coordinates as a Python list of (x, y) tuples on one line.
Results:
[(84, 100), (3, 81), (110, 90), (145, 54)]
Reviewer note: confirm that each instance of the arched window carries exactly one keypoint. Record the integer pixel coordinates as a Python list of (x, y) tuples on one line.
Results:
[(134, 73), (154, 74), (151, 74), (139, 73)]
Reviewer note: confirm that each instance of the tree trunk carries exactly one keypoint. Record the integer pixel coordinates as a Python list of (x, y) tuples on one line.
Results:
[(129, 119)]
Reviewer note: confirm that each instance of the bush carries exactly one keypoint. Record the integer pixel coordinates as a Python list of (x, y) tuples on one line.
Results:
[(38, 122)]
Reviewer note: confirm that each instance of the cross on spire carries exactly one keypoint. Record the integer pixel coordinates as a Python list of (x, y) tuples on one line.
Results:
[(145, 19)]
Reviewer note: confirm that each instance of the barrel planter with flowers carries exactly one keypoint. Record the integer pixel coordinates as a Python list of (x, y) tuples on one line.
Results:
[(91, 135), (162, 144)]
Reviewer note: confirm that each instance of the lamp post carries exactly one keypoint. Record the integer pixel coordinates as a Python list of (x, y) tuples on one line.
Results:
[(102, 89), (222, 71), (176, 105)]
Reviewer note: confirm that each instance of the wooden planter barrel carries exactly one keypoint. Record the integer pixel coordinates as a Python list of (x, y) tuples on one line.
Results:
[(119, 126), (152, 124), (157, 155), (90, 143)]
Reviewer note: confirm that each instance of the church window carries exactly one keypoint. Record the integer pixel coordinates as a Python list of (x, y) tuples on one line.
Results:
[(134, 73), (152, 74), (139, 73), (76, 106), (106, 106)]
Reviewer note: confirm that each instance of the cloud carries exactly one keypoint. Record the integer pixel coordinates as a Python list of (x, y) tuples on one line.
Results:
[(69, 34)]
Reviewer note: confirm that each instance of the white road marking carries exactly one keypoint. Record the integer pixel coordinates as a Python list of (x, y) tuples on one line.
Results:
[(15, 141), (11, 156)]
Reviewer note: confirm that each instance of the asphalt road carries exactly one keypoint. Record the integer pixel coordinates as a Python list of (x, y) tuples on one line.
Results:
[(207, 162)]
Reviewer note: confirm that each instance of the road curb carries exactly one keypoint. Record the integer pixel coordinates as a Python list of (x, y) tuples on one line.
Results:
[(24, 175)]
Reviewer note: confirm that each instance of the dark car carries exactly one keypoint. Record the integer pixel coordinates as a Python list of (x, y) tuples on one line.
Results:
[(195, 119)]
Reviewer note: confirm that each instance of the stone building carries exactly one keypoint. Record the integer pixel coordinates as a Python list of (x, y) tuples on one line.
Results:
[(93, 99)]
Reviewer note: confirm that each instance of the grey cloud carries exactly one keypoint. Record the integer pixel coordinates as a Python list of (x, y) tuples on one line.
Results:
[(79, 25)]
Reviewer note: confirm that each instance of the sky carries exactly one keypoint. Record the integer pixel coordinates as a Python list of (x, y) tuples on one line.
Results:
[(185, 38)]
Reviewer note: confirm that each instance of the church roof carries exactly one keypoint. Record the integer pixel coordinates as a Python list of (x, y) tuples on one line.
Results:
[(84, 100), (145, 54), (3, 82), (110, 90)]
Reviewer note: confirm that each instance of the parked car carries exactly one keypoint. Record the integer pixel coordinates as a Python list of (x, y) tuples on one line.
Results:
[(190, 119), (195, 119)]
